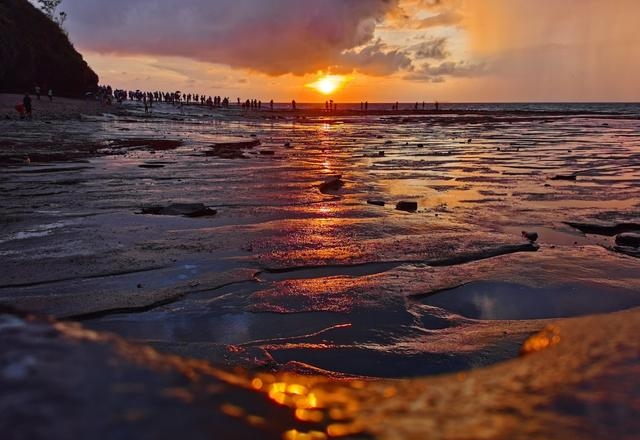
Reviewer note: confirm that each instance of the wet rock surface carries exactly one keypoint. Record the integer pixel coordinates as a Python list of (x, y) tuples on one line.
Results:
[(287, 278), (575, 382)]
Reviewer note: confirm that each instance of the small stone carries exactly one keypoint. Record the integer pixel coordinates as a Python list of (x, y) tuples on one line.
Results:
[(564, 177), (531, 236), (408, 206), (331, 183)]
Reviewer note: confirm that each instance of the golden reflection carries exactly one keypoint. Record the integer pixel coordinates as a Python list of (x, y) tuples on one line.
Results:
[(307, 415), (256, 384), (294, 434), (541, 340), (337, 407)]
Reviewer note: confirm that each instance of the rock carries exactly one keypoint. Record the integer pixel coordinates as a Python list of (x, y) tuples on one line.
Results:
[(376, 202), (531, 236), (267, 152), (630, 239), (151, 165), (185, 209), (331, 183), (408, 206), (381, 153), (564, 177)]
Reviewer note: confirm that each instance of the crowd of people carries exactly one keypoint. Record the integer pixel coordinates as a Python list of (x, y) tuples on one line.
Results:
[(106, 94)]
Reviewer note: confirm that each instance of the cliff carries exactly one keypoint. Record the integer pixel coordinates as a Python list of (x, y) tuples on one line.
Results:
[(34, 51)]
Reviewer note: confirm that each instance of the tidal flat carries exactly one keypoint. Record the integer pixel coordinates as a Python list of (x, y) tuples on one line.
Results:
[(244, 248)]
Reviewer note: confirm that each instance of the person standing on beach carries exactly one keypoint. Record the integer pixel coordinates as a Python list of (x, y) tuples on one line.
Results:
[(50, 94), (26, 102), (37, 90)]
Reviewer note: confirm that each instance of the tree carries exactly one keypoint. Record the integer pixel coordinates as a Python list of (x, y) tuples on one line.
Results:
[(49, 8)]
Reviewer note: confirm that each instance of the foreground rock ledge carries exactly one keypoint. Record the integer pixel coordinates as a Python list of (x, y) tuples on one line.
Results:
[(61, 381)]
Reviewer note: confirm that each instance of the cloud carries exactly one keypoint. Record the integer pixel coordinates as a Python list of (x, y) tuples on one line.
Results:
[(434, 48), (446, 18), (438, 73), (274, 37), (376, 59), (438, 13)]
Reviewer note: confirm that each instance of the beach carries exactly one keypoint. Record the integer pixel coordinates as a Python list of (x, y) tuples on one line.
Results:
[(381, 254)]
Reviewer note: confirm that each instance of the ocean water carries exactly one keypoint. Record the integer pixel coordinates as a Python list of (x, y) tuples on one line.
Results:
[(288, 274), (631, 109)]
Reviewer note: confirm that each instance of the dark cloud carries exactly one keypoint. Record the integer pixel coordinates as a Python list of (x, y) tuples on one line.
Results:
[(434, 48), (376, 59), (438, 73), (275, 37)]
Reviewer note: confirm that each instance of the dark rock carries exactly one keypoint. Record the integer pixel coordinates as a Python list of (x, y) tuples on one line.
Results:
[(376, 202), (608, 230), (151, 165), (564, 177), (35, 51), (230, 151), (267, 152), (531, 236), (407, 206), (185, 209), (630, 239), (331, 183)]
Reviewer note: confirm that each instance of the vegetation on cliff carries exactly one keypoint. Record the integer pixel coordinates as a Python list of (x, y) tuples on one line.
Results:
[(34, 50)]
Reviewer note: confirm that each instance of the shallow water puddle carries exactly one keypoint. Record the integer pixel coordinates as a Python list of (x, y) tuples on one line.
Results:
[(500, 300)]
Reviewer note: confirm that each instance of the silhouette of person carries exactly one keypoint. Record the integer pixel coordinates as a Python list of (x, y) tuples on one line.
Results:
[(26, 102), (293, 104), (50, 94)]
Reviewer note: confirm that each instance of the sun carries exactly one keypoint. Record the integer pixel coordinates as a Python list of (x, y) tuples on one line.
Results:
[(328, 84)]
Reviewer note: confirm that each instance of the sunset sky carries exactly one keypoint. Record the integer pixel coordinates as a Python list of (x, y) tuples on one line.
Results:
[(377, 50)]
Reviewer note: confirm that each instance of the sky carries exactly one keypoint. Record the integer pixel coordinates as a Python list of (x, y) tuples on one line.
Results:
[(378, 50)]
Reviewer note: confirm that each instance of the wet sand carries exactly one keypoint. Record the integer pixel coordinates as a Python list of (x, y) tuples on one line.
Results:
[(57, 109), (285, 276)]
